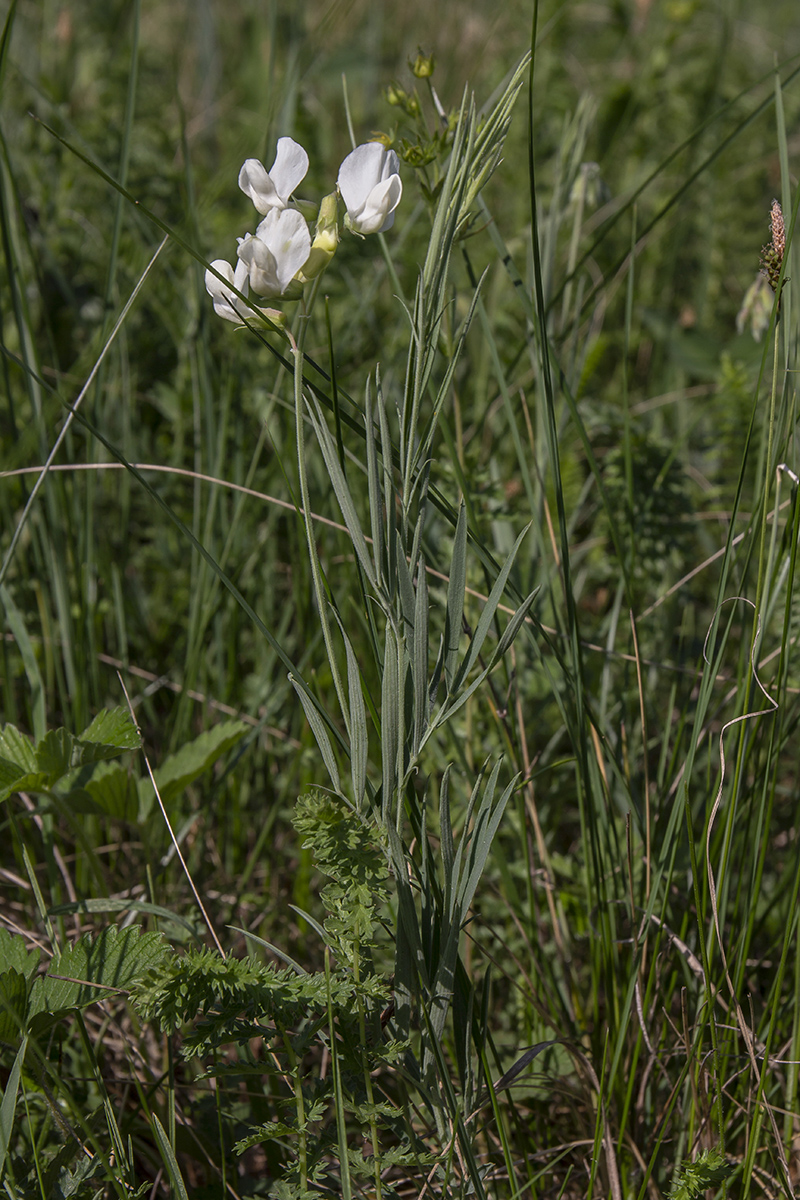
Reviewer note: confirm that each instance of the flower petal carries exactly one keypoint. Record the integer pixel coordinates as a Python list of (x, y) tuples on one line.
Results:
[(256, 183), (261, 265), (287, 236), (224, 299), (289, 169), (359, 173), (214, 286), (377, 213)]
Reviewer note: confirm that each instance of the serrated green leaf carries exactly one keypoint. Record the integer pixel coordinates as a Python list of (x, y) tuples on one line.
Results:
[(18, 749), (114, 959), (71, 1183), (112, 789), (272, 1129), (11, 782), (13, 1006), (14, 952), (54, 755), (187, 764), (112, 730)]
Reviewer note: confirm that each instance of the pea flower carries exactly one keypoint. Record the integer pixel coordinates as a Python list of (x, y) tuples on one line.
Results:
[(226, 303), (371, 188), (272, 189), (278, 251)]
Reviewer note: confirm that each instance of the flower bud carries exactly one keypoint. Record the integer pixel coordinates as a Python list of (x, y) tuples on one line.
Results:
[(325, 240), (423, 65)]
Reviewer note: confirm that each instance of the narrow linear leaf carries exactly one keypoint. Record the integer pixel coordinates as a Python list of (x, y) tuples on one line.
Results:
[(374, 486), (170, 1161), (359, 737), (8, 1107), (489, 610), (455, 598), (479, 850), (342, 492), (446, 837), (320, 734), (406, 587), (19, 632), (390, 709), (419, 657)]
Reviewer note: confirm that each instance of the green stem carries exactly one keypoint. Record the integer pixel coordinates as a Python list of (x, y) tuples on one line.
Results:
[(362, 1037)]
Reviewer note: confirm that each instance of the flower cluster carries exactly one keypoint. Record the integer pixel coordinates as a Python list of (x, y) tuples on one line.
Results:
[(772, 255), (281, 257)]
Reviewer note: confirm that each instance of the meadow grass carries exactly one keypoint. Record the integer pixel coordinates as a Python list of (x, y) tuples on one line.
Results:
[(400, 709)]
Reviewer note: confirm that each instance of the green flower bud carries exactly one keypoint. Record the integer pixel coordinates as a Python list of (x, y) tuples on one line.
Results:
[(423, 65), (325, 240)]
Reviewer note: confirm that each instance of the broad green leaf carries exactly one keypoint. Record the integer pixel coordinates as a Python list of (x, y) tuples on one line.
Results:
[(13, 1005), (187, 764), (112, 789), (14, 952), (18, 749), (111, 731), (114, 959), (54, 754), (11, 781)]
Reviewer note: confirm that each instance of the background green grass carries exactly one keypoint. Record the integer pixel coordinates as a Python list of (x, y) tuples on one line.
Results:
[(593, 928)]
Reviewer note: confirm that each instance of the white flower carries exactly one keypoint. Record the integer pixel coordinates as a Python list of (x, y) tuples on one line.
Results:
[(279, 250), (268, 191), (226, 303), (370, 187)]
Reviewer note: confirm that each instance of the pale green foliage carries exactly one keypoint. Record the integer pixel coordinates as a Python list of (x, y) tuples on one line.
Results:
[(28, 767), (708, 1170), (347, 849)]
